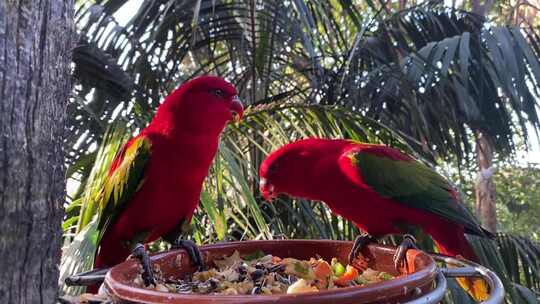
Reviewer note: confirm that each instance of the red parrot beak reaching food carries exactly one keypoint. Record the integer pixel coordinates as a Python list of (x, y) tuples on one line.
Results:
[(237, 109), (266, 189)]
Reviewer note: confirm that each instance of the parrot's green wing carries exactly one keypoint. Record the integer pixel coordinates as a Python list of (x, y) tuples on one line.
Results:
[(407, 181), (125, 178)]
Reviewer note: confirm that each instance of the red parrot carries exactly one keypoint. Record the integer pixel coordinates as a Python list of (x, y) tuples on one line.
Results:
[(155, 180), (380, 189)]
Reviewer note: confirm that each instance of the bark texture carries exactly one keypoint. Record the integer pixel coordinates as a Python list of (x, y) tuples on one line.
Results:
[(35, 57), (485, 191), (486, 194)]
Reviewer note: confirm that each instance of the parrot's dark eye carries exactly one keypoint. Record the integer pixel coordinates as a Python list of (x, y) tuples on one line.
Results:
[(218, 93)]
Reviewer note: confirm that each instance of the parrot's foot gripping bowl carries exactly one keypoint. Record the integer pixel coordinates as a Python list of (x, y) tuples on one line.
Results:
[(417, 280)]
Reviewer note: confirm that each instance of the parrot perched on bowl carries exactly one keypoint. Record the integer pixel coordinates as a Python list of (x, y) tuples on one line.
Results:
[(381, 190), (155, 180)]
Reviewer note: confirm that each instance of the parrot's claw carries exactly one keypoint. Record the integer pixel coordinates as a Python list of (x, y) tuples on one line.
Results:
[(361, 240), (400, 257), (140, 253), (193, 252)]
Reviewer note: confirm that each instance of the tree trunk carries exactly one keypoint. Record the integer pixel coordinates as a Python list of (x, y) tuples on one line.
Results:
[(35, 57), (485, 191)]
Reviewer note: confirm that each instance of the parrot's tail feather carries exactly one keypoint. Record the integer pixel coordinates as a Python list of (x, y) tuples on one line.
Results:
[(78, 257), (477, 288), (457, 245)]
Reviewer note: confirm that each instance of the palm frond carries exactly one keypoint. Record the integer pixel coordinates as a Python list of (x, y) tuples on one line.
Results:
[(521, 257), (432, 58)]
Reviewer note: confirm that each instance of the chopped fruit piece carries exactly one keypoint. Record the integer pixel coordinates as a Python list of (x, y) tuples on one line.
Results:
[(350, 275)]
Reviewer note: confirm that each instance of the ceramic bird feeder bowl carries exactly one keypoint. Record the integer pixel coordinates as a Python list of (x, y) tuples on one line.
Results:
[(421, 283)]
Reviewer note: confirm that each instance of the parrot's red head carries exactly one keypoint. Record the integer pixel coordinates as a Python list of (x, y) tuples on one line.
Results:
[(202, 105), (292, 168)]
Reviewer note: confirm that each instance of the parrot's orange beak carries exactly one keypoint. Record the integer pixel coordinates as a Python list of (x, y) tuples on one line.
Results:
[(267, 189), (237, 109)]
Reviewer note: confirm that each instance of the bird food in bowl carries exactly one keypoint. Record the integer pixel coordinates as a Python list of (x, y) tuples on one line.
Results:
[(280, 271), (266, 274)]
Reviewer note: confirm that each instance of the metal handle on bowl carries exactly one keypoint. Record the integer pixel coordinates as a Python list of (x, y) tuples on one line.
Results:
[(464, 269), (434, 296)]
